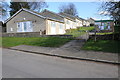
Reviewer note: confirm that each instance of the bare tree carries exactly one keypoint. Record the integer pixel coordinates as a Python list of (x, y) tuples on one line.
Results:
[(37, 6), (4, 9), (69, 9), (113, 10)]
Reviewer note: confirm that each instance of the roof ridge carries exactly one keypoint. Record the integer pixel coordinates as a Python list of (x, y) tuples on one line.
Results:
[(32, 10), (69, 15), (27, 10), (52, 12)]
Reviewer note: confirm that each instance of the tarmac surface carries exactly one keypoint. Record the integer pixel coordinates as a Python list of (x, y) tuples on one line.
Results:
[(18, 64)]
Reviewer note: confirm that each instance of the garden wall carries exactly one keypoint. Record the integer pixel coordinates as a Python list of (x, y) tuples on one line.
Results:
[(32, 34), (84, 36)]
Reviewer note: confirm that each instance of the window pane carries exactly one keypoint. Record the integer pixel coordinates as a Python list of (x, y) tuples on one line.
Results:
[(25, 26), (29, 27), (53, 24), (19, 27), (61, 26)]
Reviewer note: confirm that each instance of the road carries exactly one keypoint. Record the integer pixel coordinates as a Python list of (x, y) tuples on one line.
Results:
[(17, 64)]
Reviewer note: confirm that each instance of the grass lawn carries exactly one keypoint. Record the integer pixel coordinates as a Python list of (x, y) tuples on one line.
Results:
[(102, 45), (87, 28), (34, 41), (76, 33), (80, 31)]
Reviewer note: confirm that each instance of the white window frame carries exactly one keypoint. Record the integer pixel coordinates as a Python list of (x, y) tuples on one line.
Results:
[(21, 26), (53, 24), (61, 26)]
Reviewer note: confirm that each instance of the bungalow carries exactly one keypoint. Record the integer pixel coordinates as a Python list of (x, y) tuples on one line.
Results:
[(91, 21), (30, 21), (45, 22), (75, 21), (53, 26), (69, 21), (86, 22), (79, 22), (106, 25)]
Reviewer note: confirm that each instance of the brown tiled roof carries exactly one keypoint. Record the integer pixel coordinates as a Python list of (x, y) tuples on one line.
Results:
[(34, 13), (50, 14)]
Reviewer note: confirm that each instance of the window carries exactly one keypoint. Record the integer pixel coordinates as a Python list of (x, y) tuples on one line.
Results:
[(61, 26), (11, 29), (53, 27), (24, 26), (19, 27), (53, 24), (67, 21), (108, 23)]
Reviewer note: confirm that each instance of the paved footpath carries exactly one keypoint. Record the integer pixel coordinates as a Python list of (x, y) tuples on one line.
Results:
[(71, 50)]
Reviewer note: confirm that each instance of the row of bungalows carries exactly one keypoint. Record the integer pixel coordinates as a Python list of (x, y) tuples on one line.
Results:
[(46, 22), (105, 25)]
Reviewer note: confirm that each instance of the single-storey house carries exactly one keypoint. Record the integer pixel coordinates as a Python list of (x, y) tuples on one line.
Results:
[(30, 21), (107, 25), (79, 22), (45, 22), (70, 22), (56, 27), (86, 22), (91, 21), (74, 20)]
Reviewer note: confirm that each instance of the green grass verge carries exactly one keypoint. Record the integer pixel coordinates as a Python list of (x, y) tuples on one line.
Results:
[(79, 31), (87, 28), (102, 45), (104, 33), (76, 33), (34, 41)]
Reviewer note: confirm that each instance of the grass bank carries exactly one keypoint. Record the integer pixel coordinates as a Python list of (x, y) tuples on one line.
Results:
[(87, 28), (104, 33), (102, 45), (34, 41), (79, 31), (75, 33)]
